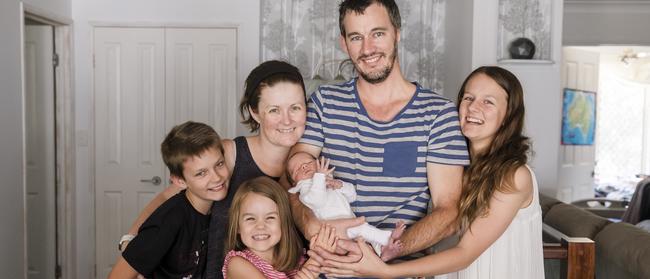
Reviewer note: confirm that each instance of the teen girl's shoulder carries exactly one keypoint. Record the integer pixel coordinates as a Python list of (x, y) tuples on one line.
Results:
[(523, 179)]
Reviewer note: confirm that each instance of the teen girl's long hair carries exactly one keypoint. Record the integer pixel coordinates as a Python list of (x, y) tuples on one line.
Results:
[(494, 168)]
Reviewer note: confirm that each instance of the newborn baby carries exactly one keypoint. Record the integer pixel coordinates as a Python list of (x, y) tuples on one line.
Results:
[(329, 203)]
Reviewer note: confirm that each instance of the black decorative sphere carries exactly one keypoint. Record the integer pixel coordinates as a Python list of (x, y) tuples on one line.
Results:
[(521, 48)]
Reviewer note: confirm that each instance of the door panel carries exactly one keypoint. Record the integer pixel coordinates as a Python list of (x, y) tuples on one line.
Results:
[(129, 113), (576, 181), (40, 151), (201, 80)]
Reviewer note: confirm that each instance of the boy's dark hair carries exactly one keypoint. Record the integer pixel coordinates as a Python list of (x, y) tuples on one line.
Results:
[(185, 141), (265, 75), (359, 6)]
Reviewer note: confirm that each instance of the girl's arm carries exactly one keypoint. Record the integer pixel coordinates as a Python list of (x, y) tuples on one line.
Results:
[(241, 268), (484, 231)]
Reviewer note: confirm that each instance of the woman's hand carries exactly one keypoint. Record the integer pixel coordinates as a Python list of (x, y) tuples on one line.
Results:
[(370, 265), (305, 273), (326, 238)]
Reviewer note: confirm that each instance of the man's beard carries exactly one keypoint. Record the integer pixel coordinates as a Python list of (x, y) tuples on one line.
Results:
[(380, 75)]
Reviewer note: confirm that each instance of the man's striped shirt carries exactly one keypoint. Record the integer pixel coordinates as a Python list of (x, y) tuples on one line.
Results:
[(386, 161)]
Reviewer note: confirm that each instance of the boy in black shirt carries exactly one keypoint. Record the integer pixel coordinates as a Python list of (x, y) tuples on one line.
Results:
[(172, 242)]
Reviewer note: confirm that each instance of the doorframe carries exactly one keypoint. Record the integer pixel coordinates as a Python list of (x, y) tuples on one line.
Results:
[(64, 136)]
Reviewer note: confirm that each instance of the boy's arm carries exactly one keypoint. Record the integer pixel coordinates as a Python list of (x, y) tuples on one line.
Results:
[(155, 238), (122, 269), (159, 199)]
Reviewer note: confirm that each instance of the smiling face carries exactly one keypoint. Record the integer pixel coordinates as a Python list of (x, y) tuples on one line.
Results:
[(281, 113), (301, 166), (482, 110), (206, 177), (371, 42), (259, 225)]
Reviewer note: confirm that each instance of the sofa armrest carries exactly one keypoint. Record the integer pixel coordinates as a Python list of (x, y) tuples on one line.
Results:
[(574, 221), (577, 254)]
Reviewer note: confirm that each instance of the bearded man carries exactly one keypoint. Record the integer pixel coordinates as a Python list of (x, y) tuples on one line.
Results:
[(400, 144)]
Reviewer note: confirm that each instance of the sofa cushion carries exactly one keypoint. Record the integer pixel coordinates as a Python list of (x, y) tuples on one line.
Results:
[(546, 203), (573, 221), (627, 248)]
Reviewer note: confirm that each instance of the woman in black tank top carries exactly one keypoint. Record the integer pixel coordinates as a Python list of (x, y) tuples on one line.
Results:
[(274, 106)]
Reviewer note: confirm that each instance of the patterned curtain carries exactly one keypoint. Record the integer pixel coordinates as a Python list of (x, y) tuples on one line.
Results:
[(305, 33)]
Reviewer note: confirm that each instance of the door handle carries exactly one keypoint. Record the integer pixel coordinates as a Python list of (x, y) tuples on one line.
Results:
[(154, 180)]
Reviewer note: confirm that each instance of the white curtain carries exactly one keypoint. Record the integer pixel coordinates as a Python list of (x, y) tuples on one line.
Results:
[(305, 33)]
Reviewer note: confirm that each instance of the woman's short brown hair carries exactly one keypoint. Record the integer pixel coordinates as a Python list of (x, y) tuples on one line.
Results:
[(265, 75)]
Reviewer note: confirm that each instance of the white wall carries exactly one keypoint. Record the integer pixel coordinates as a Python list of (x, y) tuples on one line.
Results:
[(541, 83), (242, 13), (12, 193), (457, 60), (606, 22)]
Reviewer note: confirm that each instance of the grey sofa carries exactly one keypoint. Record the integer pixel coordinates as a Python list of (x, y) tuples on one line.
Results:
[(622, 250)]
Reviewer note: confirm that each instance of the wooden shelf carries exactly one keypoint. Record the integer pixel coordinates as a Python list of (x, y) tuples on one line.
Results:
[(525, 61)]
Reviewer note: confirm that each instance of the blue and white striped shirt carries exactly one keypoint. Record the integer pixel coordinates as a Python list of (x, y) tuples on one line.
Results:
[(386, 161)]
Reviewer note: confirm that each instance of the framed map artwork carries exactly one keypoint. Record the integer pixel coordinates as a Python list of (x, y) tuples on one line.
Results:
[(578, 117)]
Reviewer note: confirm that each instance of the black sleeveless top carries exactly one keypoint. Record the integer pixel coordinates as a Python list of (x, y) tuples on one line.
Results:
[(245, 169)]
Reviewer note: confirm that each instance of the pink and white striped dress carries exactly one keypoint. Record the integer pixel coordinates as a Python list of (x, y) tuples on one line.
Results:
[(263, 266)]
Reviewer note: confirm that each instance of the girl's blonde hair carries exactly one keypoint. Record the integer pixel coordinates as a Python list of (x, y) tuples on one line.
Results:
[(288, 251), (494, 168)]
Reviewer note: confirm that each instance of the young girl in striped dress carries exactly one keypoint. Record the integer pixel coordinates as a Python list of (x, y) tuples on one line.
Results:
[(262, 241)]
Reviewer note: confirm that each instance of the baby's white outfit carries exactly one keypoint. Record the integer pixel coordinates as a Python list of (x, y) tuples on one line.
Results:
[(332, 204)]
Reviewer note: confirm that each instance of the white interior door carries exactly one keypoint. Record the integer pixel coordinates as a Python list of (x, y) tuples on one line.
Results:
[(201, 77), (40, 151), (146, 81), (129, 113), (576, 181)]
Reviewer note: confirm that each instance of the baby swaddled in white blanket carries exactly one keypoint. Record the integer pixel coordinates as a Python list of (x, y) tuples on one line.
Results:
[(330, 203)]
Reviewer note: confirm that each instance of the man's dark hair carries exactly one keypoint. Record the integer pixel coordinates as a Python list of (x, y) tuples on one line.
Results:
[(359, 6)]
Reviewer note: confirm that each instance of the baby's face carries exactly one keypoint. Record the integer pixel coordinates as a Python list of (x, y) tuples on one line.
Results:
[(302, 167)]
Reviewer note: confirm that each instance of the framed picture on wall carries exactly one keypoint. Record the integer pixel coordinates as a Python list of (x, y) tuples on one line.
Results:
[(578, 117), (524, 31)]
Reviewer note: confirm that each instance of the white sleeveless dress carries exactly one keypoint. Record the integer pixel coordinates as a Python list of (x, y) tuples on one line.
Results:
[(517, 253)]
